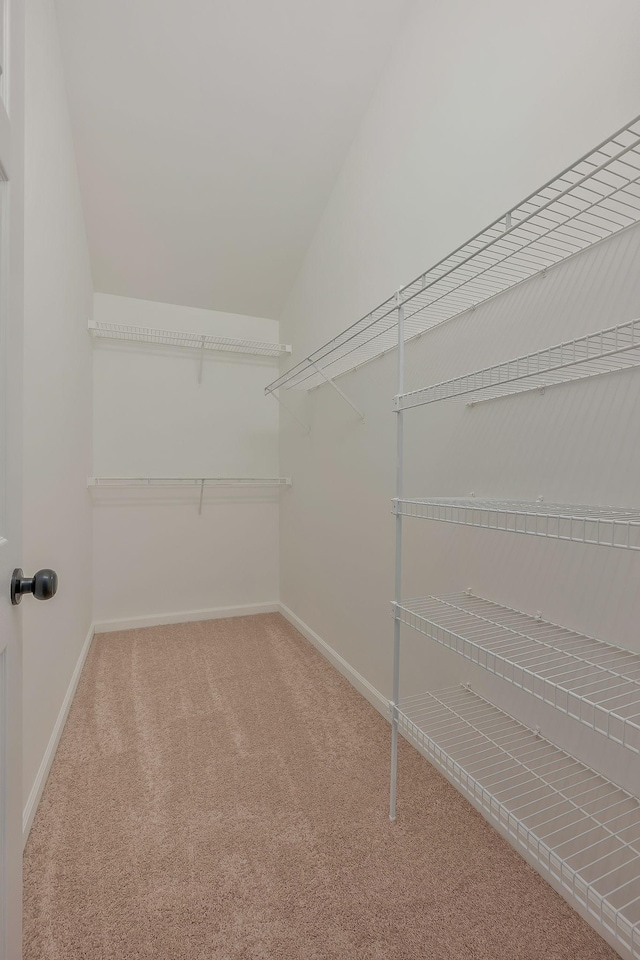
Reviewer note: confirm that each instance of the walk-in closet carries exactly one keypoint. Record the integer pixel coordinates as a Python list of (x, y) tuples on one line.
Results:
[(320, 512)]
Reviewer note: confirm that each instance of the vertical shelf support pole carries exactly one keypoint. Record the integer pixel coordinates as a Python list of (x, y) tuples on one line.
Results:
[(398, 578)]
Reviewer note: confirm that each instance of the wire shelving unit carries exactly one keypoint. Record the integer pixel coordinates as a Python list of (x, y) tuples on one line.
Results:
[(581, 829), (595, 682), (121, 331), (607, 351), (189, 481), (589, 201), (579, 523), (198, 484)]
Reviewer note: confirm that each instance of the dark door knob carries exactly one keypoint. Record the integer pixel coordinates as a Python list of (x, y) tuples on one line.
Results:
[(43, 586)]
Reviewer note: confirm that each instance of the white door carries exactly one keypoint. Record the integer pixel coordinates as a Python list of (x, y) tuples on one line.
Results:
[(11, 322)]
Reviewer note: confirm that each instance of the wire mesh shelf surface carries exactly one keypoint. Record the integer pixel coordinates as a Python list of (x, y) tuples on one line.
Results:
[(120, 331), (582, 830), (189, 481), (607, 351), (593, 199), (604, 526), (590, 680)]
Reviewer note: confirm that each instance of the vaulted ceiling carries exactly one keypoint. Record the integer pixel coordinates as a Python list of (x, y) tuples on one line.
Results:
[(209, 133)]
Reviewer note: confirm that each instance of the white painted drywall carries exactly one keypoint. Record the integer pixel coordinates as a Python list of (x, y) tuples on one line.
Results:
[(154, 555), (480, 105), (57, 392), (206, 189)]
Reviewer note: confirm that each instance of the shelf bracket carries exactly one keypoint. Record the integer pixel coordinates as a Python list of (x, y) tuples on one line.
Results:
[(201, 498), (335, 386), (304, 426), (201, 360)]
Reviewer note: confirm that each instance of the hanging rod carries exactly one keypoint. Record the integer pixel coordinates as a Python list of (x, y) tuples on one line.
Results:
[(121, 331), (594, 198)]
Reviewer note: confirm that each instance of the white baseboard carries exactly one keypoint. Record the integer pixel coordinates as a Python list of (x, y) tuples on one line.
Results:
[(29, 811), (356, 679), (186, 616)]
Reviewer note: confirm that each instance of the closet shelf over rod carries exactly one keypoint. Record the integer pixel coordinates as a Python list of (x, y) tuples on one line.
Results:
[(593, 199), (582, 829), (189, 481), (607, 351), (119, 331), (579, 523), (592, 681)]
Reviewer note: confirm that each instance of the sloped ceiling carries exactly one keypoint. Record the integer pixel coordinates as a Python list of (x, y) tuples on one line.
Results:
[(209, 133)]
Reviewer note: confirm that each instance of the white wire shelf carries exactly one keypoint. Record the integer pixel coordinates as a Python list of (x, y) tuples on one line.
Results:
[(590, 680), (593, 199), (607, 351), (582, 829), (579, 523), (121, 331), (189, 481), (198, 484)]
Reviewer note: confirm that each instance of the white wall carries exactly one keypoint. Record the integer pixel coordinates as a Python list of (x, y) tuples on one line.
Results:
[(480, 104), (57, 393), (154, 555)]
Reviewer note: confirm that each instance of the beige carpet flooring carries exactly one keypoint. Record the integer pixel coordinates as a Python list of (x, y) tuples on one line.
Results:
[(220, 792)]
